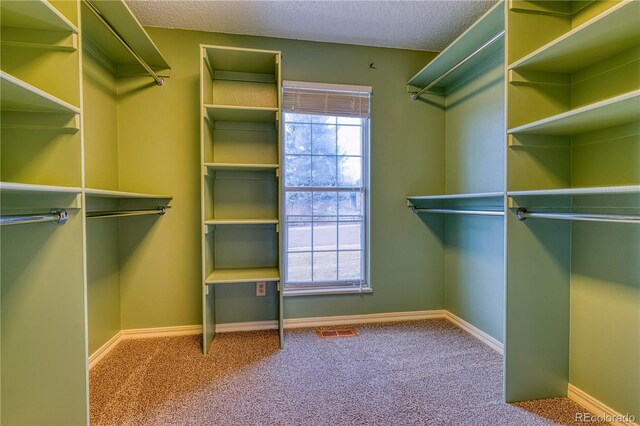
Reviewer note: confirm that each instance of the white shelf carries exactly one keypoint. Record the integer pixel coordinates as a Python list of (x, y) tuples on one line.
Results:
[(597, 190), (608, 113), (456, 196), (38, 14), (490, 24), (241, 113), (613, 31), (18, 95), (241, 222), (235, 59), (12, 187), (103, 193), (124, 21), (241, 167), (248, 275)]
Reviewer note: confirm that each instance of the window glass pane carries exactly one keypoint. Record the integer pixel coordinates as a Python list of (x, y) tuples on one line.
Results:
[(325, 266), (323, 170), (297, 170), (325, 203), (323, 140), (350, 120), (349, 204), (297, 138), (350, 171), (350, 140), (297, 118), (324, 228), (325, 236), (297, 204), (299, 267), (299, 236), (349, 265), (323, 119), (350, 236)]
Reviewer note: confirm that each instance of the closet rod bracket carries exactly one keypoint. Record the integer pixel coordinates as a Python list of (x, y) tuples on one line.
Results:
[(62, 215), (522, 214)]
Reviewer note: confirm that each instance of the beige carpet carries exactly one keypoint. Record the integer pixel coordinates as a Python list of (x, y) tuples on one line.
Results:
[(412, 373)]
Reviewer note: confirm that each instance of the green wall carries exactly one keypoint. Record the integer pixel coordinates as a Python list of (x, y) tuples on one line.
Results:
[(158, 133), (103, 281), (605, 313), (100, 123), (474, 263)]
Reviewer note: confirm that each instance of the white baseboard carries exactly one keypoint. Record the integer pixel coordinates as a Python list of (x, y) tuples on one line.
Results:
[(362, 319), (185, 330), (328, 321), (598, 408), (103, 350), (232, 327), (488, 340), (143, 333)]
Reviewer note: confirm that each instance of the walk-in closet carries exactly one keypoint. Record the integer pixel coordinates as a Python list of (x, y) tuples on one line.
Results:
[(291, 212)]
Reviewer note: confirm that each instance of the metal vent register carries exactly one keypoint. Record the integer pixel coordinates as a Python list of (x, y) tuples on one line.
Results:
[(336, 333)]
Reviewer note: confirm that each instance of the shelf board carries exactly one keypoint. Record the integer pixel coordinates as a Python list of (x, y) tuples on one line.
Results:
[(39, 14), (243, 167), (248, 275), (103, 193), (241, 222), (43, 46), (597, 190), (608, 113), (13, 187), (123, 20), (486, 27), (613, 31), (469, 196), (18, 95), (223, 58), (60, 129), (241, 113)]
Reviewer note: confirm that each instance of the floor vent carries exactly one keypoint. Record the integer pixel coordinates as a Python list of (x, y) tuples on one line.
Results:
[(336, 333)]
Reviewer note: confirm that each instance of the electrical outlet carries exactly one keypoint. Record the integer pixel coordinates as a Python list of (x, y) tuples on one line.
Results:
[(261, 288)]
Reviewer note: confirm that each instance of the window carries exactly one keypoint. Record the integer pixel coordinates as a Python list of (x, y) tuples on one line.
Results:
[(326, 134)]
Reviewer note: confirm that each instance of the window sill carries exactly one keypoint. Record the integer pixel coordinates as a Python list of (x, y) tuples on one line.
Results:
[(325, 291)]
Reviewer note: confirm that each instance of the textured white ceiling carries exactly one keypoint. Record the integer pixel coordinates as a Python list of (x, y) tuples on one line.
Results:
[(420, 25)]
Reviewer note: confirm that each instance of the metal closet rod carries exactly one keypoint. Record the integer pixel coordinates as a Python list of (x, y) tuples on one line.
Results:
[(523, 214), (486, 44), (159, 80), (57, 217), (459, 211), (122, 213)]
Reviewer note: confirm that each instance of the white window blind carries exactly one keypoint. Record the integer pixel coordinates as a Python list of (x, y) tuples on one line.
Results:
[(326, 99)]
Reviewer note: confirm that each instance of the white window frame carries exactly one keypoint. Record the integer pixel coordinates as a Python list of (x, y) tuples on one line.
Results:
[(330, 287)]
